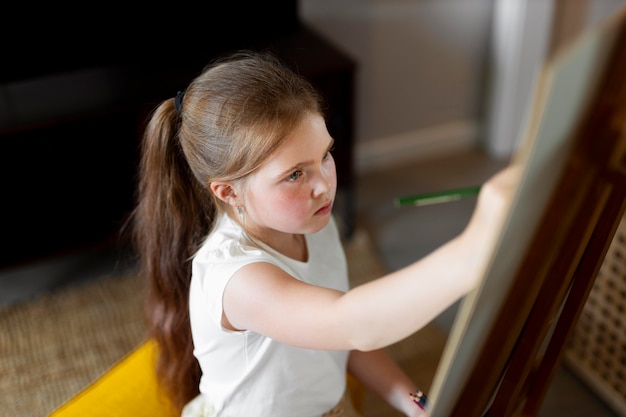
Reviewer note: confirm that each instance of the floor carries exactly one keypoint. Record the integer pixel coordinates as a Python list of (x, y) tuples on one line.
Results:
[(402, 235)]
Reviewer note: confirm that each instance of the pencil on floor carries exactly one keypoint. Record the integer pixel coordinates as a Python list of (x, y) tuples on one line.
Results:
[(437, 197)]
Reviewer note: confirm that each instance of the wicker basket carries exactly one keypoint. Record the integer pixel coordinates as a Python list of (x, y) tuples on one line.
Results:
[(596, 350)]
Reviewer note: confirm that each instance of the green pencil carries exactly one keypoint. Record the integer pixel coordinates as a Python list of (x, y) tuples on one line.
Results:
[(437, 197)]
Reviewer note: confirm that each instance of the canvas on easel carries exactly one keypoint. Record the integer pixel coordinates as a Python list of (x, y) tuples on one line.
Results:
[(509, 333)]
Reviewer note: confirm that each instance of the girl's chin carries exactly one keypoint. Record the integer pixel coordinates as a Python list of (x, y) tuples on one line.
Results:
[(321, 223)]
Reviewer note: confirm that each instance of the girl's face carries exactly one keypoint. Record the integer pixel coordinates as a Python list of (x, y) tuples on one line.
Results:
[(293, 191)]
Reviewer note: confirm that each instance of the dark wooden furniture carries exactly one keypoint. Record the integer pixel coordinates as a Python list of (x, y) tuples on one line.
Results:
[(522, 348), (68, 181)]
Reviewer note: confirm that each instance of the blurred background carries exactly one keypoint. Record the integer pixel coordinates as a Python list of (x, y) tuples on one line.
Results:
[(438, 75), (404, 80)]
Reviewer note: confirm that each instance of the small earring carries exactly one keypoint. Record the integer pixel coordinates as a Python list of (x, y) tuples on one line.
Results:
[(240, 211)]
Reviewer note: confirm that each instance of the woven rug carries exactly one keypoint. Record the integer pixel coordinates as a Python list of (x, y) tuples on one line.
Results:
[(54, 345)]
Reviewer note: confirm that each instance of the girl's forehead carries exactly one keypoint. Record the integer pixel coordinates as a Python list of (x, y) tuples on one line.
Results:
[(308, 139), (307, 143)]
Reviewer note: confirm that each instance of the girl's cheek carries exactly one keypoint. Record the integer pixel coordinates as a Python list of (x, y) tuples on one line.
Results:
[(297, 198), (296, 202)]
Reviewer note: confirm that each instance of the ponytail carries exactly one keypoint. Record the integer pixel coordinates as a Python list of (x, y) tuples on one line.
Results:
[(174, 212)]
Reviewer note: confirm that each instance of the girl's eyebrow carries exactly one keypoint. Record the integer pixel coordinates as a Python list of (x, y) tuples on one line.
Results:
[(302, 164)]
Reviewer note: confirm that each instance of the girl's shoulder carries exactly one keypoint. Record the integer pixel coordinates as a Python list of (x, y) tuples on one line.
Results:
[(227, 242)]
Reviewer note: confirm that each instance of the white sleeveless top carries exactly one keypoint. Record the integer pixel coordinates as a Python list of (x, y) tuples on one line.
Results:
[(246, 373)]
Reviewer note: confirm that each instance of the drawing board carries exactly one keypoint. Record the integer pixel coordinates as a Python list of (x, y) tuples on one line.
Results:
[(564, 88)]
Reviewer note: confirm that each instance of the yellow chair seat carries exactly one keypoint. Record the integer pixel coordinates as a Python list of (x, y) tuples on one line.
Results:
[(130, 388)]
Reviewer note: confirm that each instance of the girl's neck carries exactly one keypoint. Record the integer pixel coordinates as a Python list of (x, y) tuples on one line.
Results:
[(289, 244)]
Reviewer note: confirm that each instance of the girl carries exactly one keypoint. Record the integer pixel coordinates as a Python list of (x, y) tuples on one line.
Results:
[(248, 286)]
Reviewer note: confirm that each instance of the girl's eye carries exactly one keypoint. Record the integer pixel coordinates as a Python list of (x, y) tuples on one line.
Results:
[(327, 155), (294, 175)]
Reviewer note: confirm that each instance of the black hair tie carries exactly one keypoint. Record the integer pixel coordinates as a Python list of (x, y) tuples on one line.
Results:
[(178, 102)]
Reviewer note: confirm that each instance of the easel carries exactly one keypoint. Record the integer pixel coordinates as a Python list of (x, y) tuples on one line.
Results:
[(522, 347)]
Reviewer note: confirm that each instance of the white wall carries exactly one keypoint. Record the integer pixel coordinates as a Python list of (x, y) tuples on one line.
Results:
[(519, 45), (520, 42), (421, 69), (432, 77)]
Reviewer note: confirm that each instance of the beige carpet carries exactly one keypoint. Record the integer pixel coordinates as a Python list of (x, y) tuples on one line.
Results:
[(53, 346)]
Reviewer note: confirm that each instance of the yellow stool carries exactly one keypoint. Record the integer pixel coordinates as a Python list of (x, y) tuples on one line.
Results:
[(130, 388)]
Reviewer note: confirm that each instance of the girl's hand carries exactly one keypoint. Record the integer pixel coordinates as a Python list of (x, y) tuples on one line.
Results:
[(494, 200)]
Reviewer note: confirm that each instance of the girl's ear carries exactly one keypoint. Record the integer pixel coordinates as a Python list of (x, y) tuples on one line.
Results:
[(224, 191)]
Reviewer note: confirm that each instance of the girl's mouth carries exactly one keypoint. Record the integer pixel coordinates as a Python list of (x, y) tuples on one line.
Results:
[(325, 209)]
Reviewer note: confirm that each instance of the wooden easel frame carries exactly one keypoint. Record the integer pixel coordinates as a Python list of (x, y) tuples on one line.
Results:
[(504, 368)]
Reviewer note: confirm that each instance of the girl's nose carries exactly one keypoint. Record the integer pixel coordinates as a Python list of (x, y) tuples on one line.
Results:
[(322, 185)]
